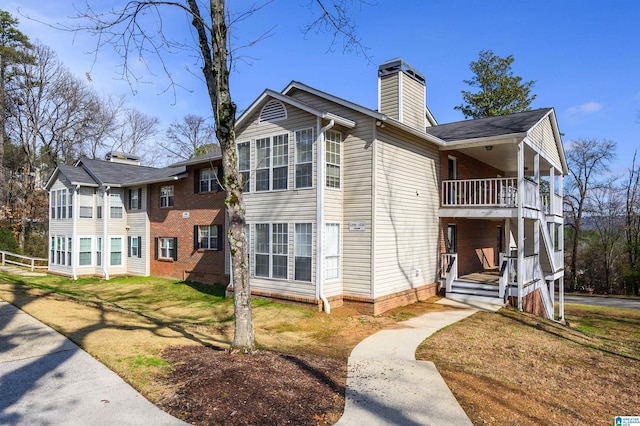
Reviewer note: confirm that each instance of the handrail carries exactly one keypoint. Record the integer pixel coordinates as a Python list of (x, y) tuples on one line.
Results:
[(32, 260)]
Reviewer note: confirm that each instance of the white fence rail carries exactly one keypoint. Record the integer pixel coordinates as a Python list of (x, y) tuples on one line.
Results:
[(32, 263), (498, 192)]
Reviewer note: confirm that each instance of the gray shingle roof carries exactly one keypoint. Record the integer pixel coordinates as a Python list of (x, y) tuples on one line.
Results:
[(77, 175), (519, 122), (216, 155), (119, 174)]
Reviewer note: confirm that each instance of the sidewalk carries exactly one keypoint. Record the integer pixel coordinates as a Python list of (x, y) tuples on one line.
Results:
[(387, 386), (46, 379)]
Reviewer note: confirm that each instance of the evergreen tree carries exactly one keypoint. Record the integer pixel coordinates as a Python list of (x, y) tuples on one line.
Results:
[(500, 92)]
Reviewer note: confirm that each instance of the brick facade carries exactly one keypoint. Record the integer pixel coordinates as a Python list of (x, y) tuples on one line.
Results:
[(477, 240), (178, 221), (532, 303)]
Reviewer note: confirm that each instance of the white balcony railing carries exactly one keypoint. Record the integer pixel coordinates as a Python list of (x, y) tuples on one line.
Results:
[(492, 192)]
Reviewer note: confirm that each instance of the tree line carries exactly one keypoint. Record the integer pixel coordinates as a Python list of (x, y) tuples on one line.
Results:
[(50, 116)]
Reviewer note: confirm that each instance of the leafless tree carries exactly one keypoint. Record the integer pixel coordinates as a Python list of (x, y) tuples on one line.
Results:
[(632, 228), (136, 133), (135, 28), (192, 136), (587, 159)]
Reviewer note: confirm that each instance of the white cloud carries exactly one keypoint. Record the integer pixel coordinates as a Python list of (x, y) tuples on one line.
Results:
[(586, 108)]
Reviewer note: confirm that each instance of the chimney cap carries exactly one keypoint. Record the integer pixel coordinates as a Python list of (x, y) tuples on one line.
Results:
[(396, 65)]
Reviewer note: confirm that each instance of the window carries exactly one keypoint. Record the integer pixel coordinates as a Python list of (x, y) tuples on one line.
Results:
[(166, 248), (303, 249), (99, 203), (244, 164), (208, 237), (99, 251), (304, 158), (61, 207), (135, 246), (272, 168), (333, 141), (332, 251), (85, 252), (135, 199), (116, 251), (60, 251), (206, 180), (271, 248), (166, 196), (116, 206), (85, 196), (52, 251)]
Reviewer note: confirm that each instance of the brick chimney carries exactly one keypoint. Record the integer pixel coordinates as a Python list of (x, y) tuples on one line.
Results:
[(402, 93)]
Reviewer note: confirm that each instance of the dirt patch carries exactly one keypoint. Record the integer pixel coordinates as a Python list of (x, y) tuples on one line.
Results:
[(222, 388)]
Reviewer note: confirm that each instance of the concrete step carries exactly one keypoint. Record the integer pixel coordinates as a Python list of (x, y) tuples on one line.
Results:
[(468, 298), (474, 285), (474, 292)]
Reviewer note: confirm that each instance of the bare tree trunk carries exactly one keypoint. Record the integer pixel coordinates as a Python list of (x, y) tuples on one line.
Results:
[(216, 73)]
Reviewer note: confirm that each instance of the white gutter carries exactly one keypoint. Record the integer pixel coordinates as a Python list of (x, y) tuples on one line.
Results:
[(75, 244), (320, 213), (105, 209)]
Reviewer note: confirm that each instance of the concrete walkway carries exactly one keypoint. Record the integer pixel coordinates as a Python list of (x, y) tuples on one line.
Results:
[(387, 386), (46, 379)]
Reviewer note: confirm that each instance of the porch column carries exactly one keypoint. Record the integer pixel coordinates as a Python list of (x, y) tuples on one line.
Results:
[(552, 191), (520, 240), (561, 313), (75, 243)]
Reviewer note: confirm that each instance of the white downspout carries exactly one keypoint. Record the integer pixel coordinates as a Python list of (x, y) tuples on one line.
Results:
[(320, 214), (75, 245), (105, 209)]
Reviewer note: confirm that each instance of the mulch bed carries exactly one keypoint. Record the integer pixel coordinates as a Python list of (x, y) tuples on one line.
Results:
[(265, 388)]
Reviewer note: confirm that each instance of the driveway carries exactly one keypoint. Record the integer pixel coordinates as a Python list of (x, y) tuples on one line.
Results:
[(613, 302)]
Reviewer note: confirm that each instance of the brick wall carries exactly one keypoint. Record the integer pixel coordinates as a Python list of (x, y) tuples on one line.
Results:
[(206, 266), (468, 167), (532, 303)]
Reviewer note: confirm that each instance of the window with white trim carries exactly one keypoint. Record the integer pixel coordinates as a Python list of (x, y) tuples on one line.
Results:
[(61, 207), (333, 140), (244, 164), (135, 199), (115, 251), (116, 205), (167, 248), (134, 247), (69, 250), (207, 237), (99, 203), (304, 158), (272, 250), (84, 251), (166, 196), (208, 180), (60, 250), (99, 251), (85, 199), (272, 167), (332, 251), (303, 250)]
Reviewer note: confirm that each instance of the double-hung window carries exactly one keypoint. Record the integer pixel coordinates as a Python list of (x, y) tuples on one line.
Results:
[(167, 248), (303, 251), (116, 206), (134, 246), (304, 158), (115, 254), (85, 196), (272, 166), (135, 199), (99, 203), (84, 250), (333, 140), (166, 196), (332, 251), (272, 250), (244, 164), (207, 237), (59, 204), (208, 180), (99, 251)]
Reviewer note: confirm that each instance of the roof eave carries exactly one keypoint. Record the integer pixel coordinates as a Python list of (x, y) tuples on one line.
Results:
[(487, 140)]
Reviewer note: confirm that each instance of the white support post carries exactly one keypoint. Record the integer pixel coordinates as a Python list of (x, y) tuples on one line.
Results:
[(561, 313), (520, 240), (552, 192)]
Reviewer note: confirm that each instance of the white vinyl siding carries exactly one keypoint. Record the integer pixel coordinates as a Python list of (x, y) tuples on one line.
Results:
[(304, 158), (332, 251)]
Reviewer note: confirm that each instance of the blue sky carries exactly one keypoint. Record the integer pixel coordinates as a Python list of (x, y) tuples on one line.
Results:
[(584, 56)]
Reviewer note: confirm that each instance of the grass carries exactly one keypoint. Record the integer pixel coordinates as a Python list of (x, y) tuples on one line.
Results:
[(516, 368)]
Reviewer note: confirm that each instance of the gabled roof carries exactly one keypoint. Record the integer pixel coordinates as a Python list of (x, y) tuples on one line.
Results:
[(211, 156), (75, 175), (512, 124), (119, 174)]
